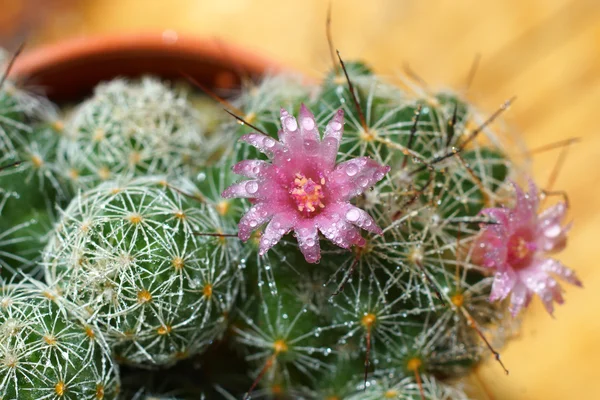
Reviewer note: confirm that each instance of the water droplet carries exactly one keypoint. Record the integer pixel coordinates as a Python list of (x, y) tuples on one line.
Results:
[(308, 123), (269, 142), (251, 187), (353, 215), (351, 170), (291, 124), (336, 126)]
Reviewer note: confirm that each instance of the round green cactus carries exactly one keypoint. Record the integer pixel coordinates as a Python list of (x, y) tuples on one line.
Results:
[(135, 129), (30, 186), (46, 353), (132, 257)]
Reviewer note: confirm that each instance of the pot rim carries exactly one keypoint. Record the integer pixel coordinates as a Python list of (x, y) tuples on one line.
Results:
[(166, 54)]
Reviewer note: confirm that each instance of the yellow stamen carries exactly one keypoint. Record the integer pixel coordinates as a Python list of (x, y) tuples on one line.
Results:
[(368, 320), (59, 388), (280, 346), (144, 296)]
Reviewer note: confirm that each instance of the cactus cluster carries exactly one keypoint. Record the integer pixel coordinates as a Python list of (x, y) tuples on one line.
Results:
[(365, 254)]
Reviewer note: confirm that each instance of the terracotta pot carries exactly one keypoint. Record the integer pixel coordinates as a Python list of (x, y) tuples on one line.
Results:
[(69, 70)]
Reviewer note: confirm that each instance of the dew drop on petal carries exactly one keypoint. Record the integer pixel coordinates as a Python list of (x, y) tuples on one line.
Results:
[(308, 123), (269, 142), (352, 215), (351, 170), (251, 187), (336, 126), (291, 124)]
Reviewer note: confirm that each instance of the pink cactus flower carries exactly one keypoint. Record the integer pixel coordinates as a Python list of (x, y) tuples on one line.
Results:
[(302, 189), (516, 250)]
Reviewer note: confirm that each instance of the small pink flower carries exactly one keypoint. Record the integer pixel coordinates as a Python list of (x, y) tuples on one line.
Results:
[(516, 247), (302, 189)]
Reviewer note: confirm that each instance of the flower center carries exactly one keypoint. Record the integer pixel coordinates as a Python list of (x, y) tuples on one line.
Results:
[(307, 194), (520, 251)]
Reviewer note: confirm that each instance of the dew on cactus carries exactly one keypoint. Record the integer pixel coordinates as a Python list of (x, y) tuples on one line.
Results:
[(133, 129), (46, 352), (127, 255)]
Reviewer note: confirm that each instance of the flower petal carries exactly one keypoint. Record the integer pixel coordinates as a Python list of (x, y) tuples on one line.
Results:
[(308, 241), (244, 189), (256, 216), (353, 177), (504, 282), (332, 139), (524, 212), (279, 226), (337, 229), (289, 127), (252, 168), (552, 235), (556, 267), (491, 247), (520, 298), (308, 125), (265, 144), (362, 219)]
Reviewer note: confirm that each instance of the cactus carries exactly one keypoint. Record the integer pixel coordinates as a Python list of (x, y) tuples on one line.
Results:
[(384, 242), (128, 255), (134, 129), (47, 353), (30, 185)]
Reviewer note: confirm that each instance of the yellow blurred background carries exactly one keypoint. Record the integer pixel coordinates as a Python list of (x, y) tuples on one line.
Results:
[(547, 52)]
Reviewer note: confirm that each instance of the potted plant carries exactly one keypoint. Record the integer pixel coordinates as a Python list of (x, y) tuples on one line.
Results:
[(380, 243)]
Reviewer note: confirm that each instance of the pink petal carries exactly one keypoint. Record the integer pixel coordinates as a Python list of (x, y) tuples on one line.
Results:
[(504, 282), (353, 177), (537, 280), (280, 225), (498, 215), (308, 241), (264, 189), (552, 235), (308, 125), (244, 189), (521, 297), (332, 139), (256, 216), (523, 214), (362, 219), (252, 168), (557, 268), (334, 227), (289, 127), (491, 247), (265, 144)]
